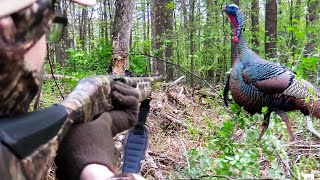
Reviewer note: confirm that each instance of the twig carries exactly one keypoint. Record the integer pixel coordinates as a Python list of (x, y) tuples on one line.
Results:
[(284, 162), (151, 165), (218, 176), (161, 157), (54, 78), (174, 83), (181, 91), (302, 146), (171, 85), (183, 69), (184, 149), (311, 128), (174, 120), (58, 76)]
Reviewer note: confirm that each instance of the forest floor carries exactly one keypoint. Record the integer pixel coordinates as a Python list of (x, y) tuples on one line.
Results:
[(190, 138), (178, 122), (183, 122)]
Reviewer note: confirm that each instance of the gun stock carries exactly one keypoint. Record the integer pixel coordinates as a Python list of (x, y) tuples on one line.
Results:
[(90, 98)]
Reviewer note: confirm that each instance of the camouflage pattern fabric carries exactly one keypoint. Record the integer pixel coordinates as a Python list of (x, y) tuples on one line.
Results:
[(18, 33)]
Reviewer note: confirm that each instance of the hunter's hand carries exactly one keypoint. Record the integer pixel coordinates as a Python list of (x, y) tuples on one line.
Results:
[(92, 143), (125, 107)]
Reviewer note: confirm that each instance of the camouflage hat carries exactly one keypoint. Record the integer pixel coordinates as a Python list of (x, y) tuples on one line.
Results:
[(10, 6)]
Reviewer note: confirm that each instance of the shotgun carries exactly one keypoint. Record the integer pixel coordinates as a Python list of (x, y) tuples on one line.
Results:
[(29, 141)]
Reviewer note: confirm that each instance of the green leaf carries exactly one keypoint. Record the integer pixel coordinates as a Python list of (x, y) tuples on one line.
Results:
[(233, 162), (229, 158)]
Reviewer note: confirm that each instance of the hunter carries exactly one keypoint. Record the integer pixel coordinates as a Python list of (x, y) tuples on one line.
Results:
[(87, 150)]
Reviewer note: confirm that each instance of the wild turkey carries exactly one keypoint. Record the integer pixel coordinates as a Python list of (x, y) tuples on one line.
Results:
[(255, 83)]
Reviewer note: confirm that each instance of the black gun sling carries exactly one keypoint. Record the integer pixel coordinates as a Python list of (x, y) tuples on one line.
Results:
[(137, 142)]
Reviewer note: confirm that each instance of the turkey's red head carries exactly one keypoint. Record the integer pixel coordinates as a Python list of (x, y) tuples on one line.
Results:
[(237, 20)]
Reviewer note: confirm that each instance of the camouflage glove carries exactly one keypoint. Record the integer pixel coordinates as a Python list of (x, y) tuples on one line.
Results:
[(92, 143)]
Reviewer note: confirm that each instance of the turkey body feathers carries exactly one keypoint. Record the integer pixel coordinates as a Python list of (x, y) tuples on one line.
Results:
[(256, 83)]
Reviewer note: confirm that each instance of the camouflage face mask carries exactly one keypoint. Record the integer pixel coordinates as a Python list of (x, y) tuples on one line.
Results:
[(18, 33)]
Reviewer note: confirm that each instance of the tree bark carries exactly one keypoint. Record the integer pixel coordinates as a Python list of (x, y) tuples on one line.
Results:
[(57, 46), (191, 36), (158, 24), (111, 16), (84, 28), (311, 19), (121, 36), (185, 14), (144, 24), (297, 10), (271, 28), (169, 47), (73, 28), (255, 24), (207, 55)]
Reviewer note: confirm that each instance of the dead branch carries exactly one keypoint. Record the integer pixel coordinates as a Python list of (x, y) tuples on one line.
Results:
[(58, 76), (173, 121), (185, 70), (284, 162), (152, 167), (174, 83), (302, 146), (164, 159), (54, 78), (175, 99), (181, 91)]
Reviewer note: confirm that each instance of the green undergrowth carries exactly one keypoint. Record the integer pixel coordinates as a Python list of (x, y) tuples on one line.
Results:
[(232, 150)]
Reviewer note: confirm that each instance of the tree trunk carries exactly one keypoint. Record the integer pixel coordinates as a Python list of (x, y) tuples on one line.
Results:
[(111, 16), (191, 36), (90, 30), (148, 18), (105, 18), (57, 46), (271, 29), (207, 55), (311, 19), (144, 24), (83, 28), (297, 10), (73, 28), (169, 47), (255, 24), (185, 14), (148, 32), (121, 36), (158, 24)]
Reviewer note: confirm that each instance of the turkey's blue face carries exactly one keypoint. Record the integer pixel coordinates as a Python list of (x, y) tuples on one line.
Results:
[(231, 9), (236, 18)]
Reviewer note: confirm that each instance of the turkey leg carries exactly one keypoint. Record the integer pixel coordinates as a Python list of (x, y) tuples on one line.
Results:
[(265, 124), (285, 118)]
